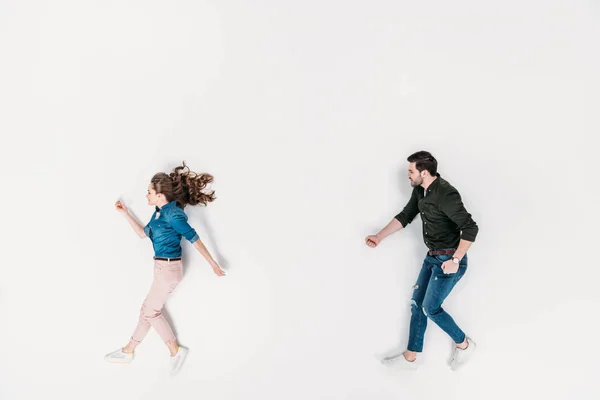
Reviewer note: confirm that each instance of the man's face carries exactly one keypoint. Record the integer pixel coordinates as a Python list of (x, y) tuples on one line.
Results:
[(415, 177)]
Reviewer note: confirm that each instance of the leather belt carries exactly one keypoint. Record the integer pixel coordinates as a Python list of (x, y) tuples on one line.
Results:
[(441, 252), (167, 259)]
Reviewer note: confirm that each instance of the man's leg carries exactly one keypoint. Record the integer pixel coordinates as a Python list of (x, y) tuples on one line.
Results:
[(418, 323), (439, 287), (418, 320)]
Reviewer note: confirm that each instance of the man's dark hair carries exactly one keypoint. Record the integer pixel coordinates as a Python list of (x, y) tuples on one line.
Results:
[(424, 161)]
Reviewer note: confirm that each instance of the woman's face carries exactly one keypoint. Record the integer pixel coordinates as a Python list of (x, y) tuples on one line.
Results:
[(152, 196)]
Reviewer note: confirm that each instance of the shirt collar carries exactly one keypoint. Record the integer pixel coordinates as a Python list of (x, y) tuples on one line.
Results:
[(166, 206), (435, 183)]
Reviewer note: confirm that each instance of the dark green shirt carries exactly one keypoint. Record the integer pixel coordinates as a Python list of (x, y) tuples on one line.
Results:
[(445, 219)]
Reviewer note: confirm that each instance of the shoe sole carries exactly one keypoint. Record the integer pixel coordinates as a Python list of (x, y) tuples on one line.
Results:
[(117, 362), (393, 363)]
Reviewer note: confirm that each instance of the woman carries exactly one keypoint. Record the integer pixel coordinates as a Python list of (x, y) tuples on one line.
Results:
[(169, 194)]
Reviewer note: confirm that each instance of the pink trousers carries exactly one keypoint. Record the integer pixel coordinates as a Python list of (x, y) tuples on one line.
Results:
[(167, 274)]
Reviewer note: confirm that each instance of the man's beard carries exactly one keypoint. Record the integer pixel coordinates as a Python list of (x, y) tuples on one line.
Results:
[(416, 182)]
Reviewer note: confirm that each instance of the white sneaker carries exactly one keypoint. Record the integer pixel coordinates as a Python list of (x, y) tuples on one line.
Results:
[(399, 361), (177, 360), (461, 356), (119, 357)]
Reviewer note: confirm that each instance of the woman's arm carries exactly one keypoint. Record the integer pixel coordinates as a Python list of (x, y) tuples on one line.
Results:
[(202, 249), (179, 223), (137, 227)]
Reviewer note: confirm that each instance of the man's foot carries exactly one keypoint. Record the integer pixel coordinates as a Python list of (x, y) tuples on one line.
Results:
[(119, 357), (399, 361), (461, 356), (177, 360)]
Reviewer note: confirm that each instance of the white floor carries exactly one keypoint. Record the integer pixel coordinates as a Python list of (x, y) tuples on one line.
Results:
[(305, 113)]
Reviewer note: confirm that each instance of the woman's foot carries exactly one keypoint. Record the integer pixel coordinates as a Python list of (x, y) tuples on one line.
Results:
[(119, 357), (177, 360)]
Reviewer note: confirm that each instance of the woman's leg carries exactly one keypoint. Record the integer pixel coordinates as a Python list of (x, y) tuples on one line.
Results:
[(167, 274)]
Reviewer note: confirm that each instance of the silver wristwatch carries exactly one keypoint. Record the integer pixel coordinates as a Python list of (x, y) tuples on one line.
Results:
[(455, 260)]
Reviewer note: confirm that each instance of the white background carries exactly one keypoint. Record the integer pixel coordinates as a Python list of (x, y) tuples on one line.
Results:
[(305, 112)]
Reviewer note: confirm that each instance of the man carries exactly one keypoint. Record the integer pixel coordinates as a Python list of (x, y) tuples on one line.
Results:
[(448, 231)]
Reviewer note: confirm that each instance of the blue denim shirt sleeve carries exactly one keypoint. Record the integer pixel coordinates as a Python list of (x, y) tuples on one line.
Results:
[(178, 221), (147, 230)]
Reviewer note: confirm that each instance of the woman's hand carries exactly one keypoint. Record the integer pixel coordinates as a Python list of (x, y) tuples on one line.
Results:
[(217, 269), (121, 207)]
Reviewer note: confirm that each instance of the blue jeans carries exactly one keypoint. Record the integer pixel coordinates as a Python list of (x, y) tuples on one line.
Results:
[(430, 291)]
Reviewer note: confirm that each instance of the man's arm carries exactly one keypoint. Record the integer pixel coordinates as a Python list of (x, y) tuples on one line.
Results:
[(392, 227), (454, 208), (462, 249), (410, 211), (400, 221)]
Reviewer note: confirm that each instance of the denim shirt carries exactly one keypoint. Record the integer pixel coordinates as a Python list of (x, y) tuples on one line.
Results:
[(165, 229)]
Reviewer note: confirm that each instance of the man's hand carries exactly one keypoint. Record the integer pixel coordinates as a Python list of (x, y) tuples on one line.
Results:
[(372, 240), (449, 267)]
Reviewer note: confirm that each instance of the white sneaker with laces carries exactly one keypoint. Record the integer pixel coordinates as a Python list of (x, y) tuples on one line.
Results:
[(461, 356), (178, 359), (119, 357), (399, 361)]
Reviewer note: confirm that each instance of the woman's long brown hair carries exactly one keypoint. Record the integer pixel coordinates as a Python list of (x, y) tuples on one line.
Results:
[(184, 186)]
